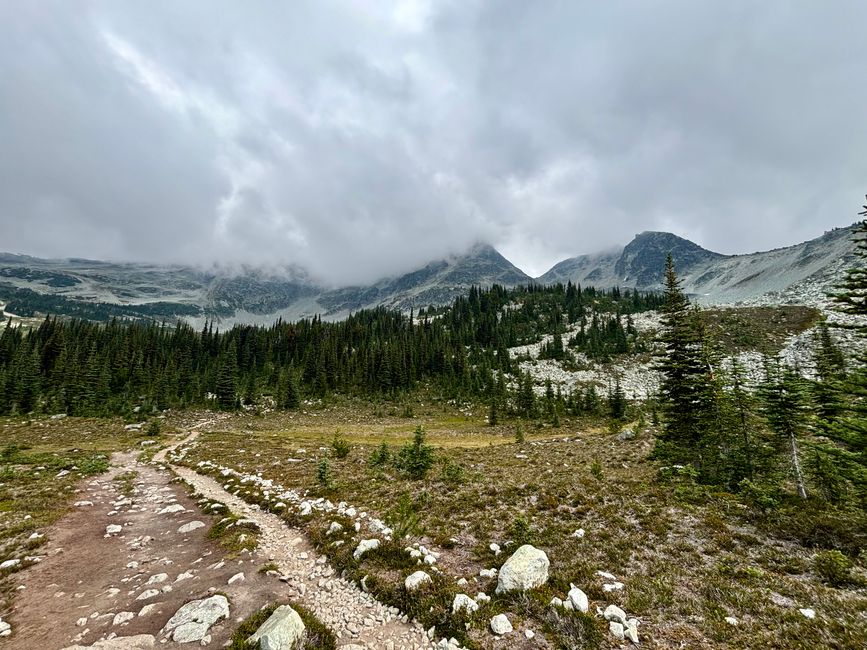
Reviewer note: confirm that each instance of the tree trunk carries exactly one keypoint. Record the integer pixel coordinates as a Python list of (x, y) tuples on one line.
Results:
[(796, 466)]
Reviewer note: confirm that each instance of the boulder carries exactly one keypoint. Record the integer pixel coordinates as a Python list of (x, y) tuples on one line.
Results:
[(527, 568), (192, 621), (283, 630), (416, 580), (500, 625)]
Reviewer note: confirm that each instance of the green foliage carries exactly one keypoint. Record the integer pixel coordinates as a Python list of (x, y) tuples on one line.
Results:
[(520, 532), (452, 473), (380, 456), (596, 470), (340, 446), (405, 519), (323, 474), (153, 428), (519, 434), (833, 567), (416, 458)]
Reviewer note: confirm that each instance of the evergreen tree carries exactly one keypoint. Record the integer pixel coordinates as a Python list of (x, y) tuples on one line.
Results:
[(786, 410), (684, 392), (227, 386)]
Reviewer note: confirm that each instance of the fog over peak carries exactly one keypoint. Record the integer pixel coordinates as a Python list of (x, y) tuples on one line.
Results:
[(359, 140)]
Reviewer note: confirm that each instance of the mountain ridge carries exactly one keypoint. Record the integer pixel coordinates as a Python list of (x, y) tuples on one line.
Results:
[(248, 294)]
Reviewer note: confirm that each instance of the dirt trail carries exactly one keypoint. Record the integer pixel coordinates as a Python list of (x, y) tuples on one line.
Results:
[(355, 616), (78, 594), (97, 583)]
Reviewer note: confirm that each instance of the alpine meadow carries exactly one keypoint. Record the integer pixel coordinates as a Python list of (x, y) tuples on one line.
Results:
[(327, 326)]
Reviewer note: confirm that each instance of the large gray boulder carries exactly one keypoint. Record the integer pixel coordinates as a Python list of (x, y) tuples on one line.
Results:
[(526, 569), (283, 630), (191, 622)]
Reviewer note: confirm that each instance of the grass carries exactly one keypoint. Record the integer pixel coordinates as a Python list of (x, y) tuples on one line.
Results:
[(688, 557), (764, 329)]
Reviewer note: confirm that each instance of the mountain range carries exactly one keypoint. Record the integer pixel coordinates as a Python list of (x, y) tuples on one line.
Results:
[(99, 290)]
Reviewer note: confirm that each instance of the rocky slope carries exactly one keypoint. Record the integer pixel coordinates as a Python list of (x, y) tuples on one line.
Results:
[(800, 273)]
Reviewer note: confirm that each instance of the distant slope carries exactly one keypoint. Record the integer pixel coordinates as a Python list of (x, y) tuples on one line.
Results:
[(102, 290), (795, 273)]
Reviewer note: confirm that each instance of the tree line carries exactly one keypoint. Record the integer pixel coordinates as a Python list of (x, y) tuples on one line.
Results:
[(80, 367)]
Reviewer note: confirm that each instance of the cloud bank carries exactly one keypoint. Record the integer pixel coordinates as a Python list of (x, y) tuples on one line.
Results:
[(363, 139)]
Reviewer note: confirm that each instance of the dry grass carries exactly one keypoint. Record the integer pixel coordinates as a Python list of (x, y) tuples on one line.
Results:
[(688, 558)]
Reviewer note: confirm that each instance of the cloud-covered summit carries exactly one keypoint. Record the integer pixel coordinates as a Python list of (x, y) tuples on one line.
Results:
[(360, 140)]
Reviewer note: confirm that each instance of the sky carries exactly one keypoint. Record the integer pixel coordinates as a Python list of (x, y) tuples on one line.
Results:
[(364, 139)]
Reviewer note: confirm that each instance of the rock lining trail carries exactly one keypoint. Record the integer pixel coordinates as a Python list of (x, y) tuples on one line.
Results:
[(355, 616)]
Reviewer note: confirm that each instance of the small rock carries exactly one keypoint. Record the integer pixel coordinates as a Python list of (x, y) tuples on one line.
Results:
[(500, 625), (808, 612), (122, 617), (113, 529), (364, 546), (495, 549), (190, 527), (578, 599), (416, 580), (238, 577), (614, 613), (616, 630), (462, 601), (731, 620), (193, 620)]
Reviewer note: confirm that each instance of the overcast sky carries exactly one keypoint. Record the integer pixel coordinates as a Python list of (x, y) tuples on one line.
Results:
[(360, 139)]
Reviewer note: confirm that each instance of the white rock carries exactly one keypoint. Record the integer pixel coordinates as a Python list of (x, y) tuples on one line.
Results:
[(190, 527), (527, 568), (238, 577), (578, 533), (82, 504), (616, 630), (731, 620), (495, 549), (147, 594), (482, 598), (175, 507), (113, 529), (364, 546), (488, 573), (282, 631), (137, 642), (462, 601), (556, 602), (614, 613), (632, 630), (123, 617), (8, 564), (500, 625), (808, 613), (578, 599), (613, 586), (335, 527), (158, 578), (416, 580), (192, 621), (529, 634)]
